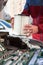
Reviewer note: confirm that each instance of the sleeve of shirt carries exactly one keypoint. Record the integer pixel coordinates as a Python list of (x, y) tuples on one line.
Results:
[(26, 10), (40, 28), (38, 36), (39, 23)]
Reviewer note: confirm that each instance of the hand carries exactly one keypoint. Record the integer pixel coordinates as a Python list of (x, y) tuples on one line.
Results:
[(12, 22), (30, 29)]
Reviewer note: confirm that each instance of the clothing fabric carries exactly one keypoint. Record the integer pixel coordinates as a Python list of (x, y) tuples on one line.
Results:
[(35, 9)]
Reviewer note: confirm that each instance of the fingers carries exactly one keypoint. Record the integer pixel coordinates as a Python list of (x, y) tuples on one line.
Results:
[(27, 27), (28, 32)]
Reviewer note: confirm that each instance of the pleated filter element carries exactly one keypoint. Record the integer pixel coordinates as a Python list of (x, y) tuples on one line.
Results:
[(19, 23)]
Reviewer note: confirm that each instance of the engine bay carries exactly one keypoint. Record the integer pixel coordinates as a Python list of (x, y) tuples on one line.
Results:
[(17, 52)]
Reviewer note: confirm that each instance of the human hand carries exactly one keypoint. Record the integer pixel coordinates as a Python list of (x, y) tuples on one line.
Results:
[(30, 29), (12, 22)]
